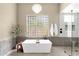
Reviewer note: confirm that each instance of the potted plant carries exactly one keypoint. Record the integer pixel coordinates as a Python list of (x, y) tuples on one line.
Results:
[(16, 30)]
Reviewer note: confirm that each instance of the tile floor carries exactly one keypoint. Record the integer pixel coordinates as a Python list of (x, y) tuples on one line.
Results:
[(55, 51)]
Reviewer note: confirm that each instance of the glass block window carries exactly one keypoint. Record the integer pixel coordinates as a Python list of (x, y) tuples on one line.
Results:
[(37, 26), (68, 18)]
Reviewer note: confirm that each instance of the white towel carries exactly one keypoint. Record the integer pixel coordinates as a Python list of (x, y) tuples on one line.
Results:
[(55, 29), (51, 30)]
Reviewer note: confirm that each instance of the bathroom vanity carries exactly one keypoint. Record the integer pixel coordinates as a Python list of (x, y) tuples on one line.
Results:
[(37, 46)]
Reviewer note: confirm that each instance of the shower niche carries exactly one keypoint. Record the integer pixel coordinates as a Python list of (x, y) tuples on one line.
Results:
[(73, 27)]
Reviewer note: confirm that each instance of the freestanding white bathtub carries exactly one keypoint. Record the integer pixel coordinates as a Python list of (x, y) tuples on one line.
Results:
[(30, 46)]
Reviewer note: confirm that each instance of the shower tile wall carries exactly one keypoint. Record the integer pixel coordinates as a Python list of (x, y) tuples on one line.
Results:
[(63, 41), (63, 25)]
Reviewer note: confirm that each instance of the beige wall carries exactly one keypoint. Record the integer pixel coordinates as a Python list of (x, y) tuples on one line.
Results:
[(8, 15), (51, 10), (7, 19)]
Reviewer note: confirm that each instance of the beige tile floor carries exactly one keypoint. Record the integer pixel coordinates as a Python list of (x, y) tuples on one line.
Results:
[(55, 51)]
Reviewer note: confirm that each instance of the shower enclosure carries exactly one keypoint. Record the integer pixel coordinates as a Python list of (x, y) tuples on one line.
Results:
[(69, 31)]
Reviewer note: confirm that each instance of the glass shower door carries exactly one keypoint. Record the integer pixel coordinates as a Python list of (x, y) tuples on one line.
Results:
[(69, 22), (72, 35)]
